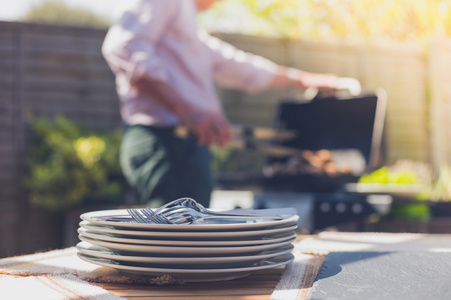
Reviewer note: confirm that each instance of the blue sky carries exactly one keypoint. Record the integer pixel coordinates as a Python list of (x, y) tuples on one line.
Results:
[(15, 9)]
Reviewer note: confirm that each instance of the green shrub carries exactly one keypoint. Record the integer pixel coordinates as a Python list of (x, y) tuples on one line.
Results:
[(384, 175), (411, 211), (404, 172), (69, 166)]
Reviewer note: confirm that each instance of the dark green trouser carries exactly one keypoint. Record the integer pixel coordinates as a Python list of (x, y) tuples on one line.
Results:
[(162, 167)]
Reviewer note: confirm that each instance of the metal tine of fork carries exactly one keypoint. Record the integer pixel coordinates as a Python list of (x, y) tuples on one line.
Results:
[(152, 218), (133, 215), (148, 211), (164, 219), (141, 217), (166, 214), (136, 216)]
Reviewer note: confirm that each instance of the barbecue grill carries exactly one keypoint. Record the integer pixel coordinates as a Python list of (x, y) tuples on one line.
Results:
[(338, 138)]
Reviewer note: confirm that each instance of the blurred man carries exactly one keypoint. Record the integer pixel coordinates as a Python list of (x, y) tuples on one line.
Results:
[(165, 74)]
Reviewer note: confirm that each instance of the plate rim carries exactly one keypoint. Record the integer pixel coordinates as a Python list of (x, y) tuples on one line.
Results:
[(190, 243), (199, 251), (186, 260), (88, 216), (204, 234), (195, 271)]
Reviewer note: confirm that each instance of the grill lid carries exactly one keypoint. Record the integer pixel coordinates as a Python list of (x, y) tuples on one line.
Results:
[(349, 128)]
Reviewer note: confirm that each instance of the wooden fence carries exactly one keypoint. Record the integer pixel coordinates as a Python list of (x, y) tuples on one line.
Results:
[(47, 70)]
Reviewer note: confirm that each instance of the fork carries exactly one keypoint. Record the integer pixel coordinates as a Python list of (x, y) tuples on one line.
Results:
[(184, 204), (154, 218), (187, 215), (136, 216), (171, 218)]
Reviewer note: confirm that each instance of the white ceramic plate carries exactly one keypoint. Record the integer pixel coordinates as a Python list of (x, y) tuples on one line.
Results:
[(186, 251), (101, 252), (191, 275), (145, 241), (104, 217), (184, 235)]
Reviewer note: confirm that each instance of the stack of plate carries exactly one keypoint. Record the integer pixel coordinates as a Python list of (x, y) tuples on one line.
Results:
[(190, 253)]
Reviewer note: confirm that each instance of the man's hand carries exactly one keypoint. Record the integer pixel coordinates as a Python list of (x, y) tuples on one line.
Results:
[(290, 77), (209, 128), (304, 80)]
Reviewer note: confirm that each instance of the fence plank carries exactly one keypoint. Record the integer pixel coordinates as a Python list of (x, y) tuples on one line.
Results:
[(440, 110)]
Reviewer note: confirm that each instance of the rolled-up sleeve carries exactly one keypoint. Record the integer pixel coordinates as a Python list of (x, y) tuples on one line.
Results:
[(130, 45), (233, 68)]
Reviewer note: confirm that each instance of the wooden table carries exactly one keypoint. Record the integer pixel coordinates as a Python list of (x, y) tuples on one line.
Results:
[(353, 266)]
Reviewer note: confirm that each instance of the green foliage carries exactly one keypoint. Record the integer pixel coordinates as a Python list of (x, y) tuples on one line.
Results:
[(56, 12), (401, 172), (391, 20), (408, 173), (385, 176), (437, 188), (413, 212), (69, 166)]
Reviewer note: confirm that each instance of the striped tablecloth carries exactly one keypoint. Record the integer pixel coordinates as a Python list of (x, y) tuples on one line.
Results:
[(60, 274)]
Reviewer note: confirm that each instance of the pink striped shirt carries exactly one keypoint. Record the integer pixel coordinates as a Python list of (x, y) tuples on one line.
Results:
[(159, 39)]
